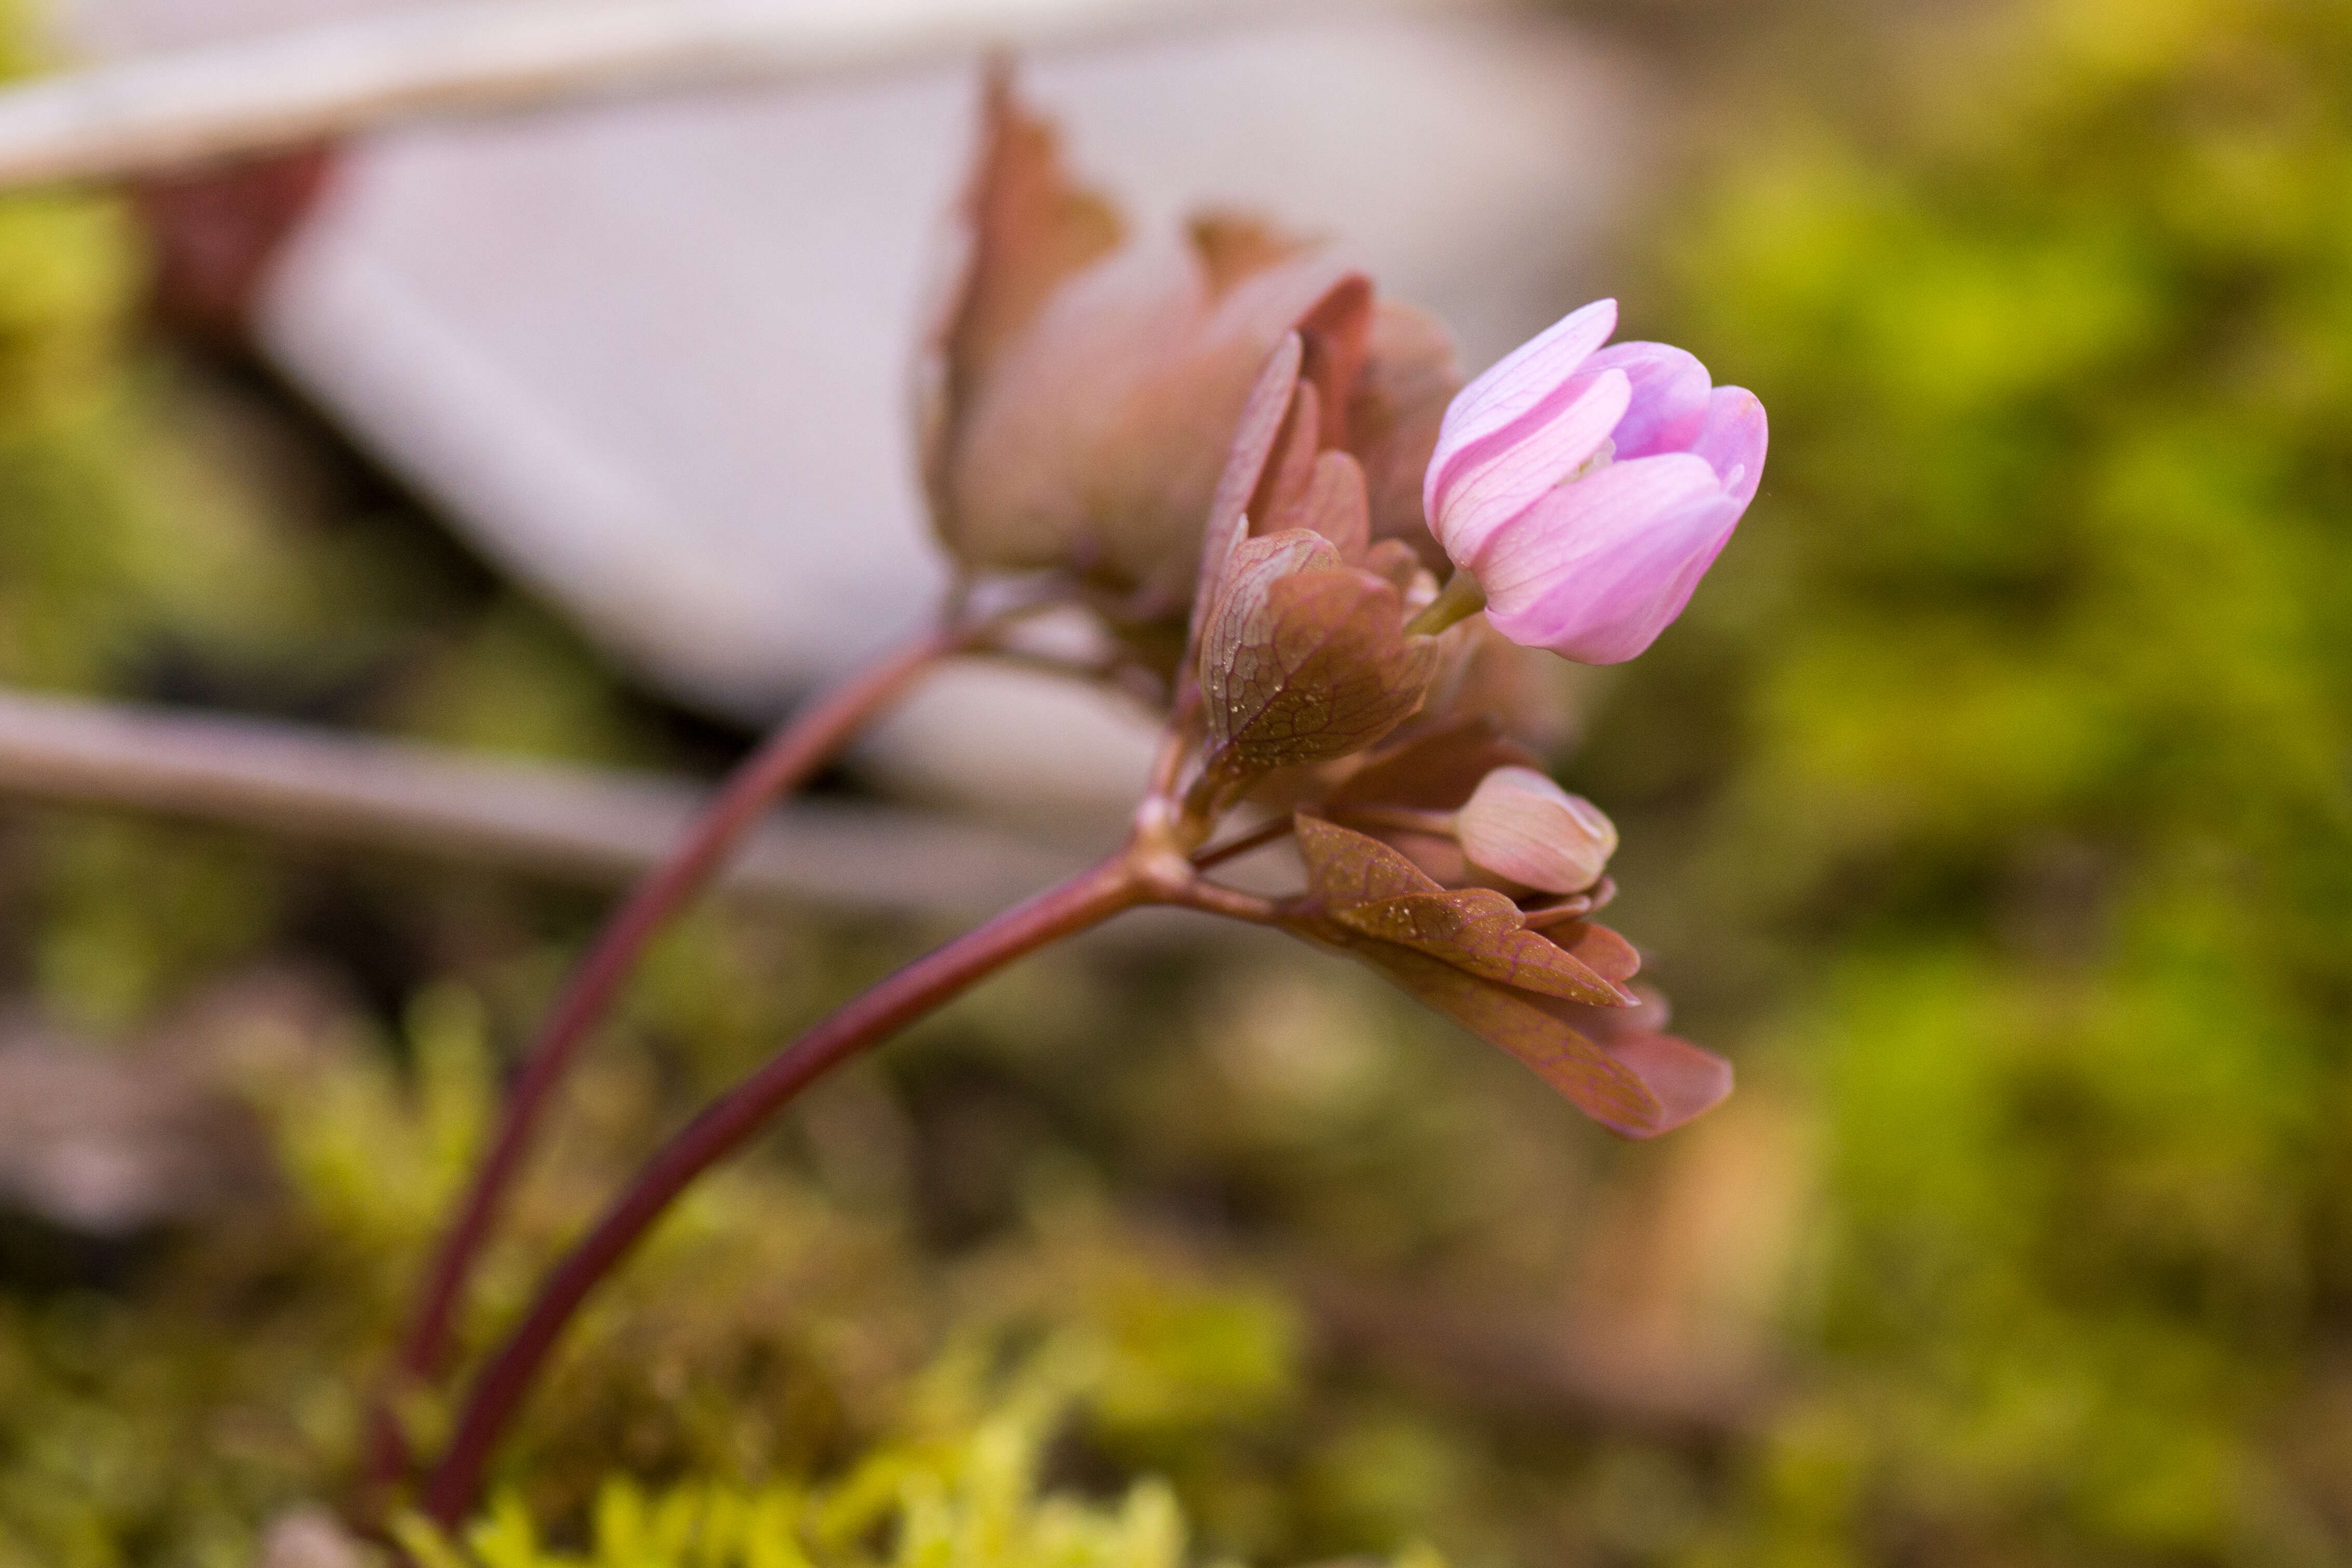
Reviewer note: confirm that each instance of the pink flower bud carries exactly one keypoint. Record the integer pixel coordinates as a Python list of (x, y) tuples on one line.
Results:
[(1588, 489), (1519, 825)]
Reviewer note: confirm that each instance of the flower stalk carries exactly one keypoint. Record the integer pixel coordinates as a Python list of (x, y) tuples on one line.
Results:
[(1328, 686), (785, 762), (1460, 598), (1137, 876)]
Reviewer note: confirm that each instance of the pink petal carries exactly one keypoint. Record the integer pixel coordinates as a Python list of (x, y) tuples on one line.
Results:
[(1498, 481), (1687, 1079), (1600, 515), (1611, 621), (1596, 570), (1669, 403), (1733, 441), (1517, 384)]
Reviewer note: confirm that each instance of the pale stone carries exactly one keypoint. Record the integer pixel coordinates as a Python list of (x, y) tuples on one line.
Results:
[(652, 356)]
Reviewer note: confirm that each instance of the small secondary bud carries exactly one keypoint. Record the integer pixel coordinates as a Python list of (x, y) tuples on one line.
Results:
[(1521, 825)]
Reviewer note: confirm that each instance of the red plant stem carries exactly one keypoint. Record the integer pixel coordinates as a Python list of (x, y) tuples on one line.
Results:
[(1399, 818), (1119, 883), (1218, 855), (786, 760)]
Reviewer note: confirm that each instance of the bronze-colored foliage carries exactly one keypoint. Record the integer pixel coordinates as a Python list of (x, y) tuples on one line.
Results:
[(1081, 388), (1410, 372), (1479, 930), (1467, 954), (1304, 658), (1434, 770)]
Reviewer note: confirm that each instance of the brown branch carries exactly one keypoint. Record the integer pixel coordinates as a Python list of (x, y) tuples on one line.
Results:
[(572, 823)]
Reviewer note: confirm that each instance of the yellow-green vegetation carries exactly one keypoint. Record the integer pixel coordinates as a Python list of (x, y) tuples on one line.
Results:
[(964, 1493), (2033, 806)]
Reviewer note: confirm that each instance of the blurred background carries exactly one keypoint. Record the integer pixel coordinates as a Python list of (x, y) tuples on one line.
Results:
[(1991, 807)]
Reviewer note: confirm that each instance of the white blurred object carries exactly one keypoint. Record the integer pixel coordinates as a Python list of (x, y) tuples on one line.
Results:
[(652, 356), (220, 93)]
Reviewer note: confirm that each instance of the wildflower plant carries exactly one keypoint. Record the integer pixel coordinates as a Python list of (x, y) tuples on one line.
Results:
[(1278, 512)]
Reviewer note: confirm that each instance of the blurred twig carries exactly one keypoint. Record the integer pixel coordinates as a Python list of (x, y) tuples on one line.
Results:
[(571, 822), (293, 88)]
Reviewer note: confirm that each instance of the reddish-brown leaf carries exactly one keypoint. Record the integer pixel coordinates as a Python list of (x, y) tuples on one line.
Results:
[(1265, 413), (1346, 866), (1435, 770), (1290, 466), (1303, 659), (1522, 689), (1479, 930), (1687, 1079), (1464, 953), (1596, 1082), (1599, 949), (1337, 331), (1080, 397), (1410, 372), (1393, 563), (1026, 227), (1331, 503)]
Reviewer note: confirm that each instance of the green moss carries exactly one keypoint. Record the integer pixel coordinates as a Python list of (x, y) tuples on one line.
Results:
[(2043, 637)]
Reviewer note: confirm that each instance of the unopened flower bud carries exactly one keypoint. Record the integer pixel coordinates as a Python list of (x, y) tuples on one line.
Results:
[(1519, 825), (1588, 489)]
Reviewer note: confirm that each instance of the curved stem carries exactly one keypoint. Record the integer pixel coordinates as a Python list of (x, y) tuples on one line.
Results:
[(786, 760), (1460, 598), (1281, 826), (1214, 898), (1117, 884), (1399, 818)]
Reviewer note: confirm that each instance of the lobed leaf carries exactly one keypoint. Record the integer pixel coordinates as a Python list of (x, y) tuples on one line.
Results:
[(1026, 227), (1480, 931), (1304, 659), (1412, 373), (1599, 949), (1434, 771), (1608, 1090), (1344, 865), (1331, 503), (1264, 415), (1467, 955)]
